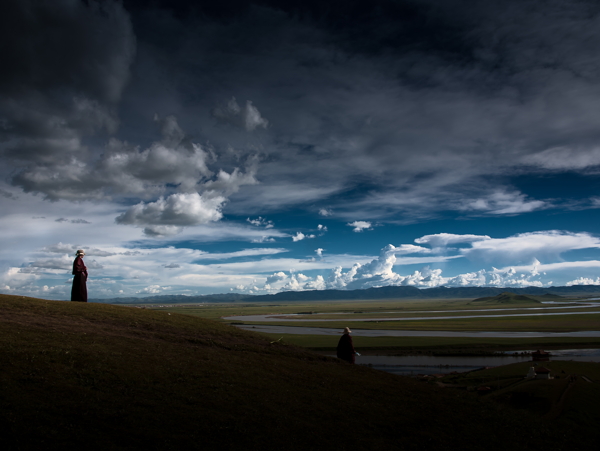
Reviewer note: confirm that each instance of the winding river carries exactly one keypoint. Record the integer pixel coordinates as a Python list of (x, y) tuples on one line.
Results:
[(411, 365), (412, 333), (414, 365), (527, 311)]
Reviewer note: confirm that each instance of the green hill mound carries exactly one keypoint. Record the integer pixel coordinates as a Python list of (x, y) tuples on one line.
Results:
[(104, 377), (551, 296), (507, 298)]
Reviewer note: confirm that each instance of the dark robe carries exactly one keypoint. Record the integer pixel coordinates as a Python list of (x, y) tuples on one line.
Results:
[(345, 349), (79, 290)]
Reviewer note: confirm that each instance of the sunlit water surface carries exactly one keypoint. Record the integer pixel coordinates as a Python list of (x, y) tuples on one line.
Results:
[(418, 365), (415, 365)]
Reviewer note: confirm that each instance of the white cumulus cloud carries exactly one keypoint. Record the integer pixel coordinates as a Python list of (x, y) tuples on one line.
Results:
[(359, 226), (301, 236), (177, 210), (545, 246), (152, 289), (261, 222), (584, 281)]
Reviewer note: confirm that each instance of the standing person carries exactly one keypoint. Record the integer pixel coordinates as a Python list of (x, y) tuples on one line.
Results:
[(345, 348), (79, 290)]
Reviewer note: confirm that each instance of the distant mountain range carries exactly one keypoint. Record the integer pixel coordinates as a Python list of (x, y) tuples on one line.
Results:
[(368, 294), (177, 299)]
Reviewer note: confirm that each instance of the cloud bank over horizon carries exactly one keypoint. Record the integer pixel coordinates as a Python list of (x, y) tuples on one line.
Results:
[(187, 269)]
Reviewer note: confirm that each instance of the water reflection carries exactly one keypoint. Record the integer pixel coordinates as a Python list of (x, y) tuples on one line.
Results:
[(416, 365), (412, 333)]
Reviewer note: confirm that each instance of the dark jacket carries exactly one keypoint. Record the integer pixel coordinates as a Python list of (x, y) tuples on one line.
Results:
[(345, 349), (79, 289)]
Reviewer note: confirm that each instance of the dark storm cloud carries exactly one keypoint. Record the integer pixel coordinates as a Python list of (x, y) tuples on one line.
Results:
[(122, 169), (7, 195), (419, 101), (66, 64), (71, 64), (364, 109), (78, 46)]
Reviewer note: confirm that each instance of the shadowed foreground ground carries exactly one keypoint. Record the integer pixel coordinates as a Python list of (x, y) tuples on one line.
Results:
[(106, 377)]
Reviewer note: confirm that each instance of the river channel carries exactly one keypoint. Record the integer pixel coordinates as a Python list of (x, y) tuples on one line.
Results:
[(415, 365), (527, 311), (412, 333)]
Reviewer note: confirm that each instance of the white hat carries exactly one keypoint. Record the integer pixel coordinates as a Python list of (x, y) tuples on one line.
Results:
[(347, 330), (80, 252)]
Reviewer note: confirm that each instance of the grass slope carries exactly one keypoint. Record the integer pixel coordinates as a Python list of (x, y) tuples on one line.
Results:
[(435, 345), (570, 399), (507, 298), (107, 377)]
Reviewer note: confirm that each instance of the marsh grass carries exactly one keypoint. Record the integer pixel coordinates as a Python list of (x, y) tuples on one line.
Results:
[(559, 323), (216, 311), (407, 309), (369, 308), (439, 345), (565, 403), (105, 377)]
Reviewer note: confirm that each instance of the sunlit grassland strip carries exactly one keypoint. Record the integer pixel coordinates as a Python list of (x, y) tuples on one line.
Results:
[(374, 308), (328, 342), (215, 311), (558, 323), (419, 314), (403, 308)]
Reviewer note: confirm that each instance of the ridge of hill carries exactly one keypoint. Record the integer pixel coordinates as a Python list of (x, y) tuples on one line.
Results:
[(100, 376), (409, 292), (389, 292), (507, 298)]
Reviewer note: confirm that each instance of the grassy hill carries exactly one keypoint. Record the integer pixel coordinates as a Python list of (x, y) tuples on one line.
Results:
[(105, 377), (506, 298), (567, 398)]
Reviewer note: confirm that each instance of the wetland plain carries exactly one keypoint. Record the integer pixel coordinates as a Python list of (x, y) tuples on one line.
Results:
[(493, 325)]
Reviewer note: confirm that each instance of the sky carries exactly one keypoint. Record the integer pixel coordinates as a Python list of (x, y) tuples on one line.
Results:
[(262, 146)]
